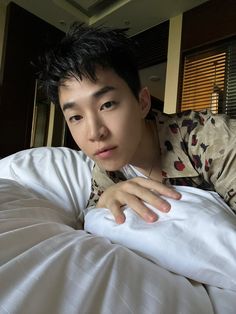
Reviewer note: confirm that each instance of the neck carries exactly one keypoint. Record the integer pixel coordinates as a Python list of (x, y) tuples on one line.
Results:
[(148, 161)]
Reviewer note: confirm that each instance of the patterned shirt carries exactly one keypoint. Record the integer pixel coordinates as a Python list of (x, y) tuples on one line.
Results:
[(197, 149)]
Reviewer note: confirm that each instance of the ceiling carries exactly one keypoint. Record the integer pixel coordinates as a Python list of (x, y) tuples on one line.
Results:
[(138, 15)]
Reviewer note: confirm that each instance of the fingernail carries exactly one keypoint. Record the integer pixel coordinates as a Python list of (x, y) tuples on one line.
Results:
[(120, 220), (165, 208), (178, 195), (151, 217)]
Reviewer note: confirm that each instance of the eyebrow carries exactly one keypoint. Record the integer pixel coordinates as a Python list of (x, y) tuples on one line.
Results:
[(103, 91), (96, 94)]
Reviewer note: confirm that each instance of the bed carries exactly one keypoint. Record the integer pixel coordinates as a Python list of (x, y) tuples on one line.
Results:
[(50, 264)]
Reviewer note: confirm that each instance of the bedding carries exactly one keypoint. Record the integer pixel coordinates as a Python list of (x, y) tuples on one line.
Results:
[(196, 238), (49, 264), (61, 175)]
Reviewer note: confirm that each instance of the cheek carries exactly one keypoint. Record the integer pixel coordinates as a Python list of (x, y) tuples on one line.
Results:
[(130, 122), (129, 130), (79, 137)]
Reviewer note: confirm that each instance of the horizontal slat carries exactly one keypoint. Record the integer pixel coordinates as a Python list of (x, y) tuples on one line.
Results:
[(209, 80)]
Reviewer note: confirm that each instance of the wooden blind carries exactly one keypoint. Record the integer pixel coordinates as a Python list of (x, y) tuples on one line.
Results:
[(209, 80), (203, 80)]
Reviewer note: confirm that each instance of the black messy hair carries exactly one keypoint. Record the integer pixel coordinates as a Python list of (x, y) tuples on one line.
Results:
[(83, 49)]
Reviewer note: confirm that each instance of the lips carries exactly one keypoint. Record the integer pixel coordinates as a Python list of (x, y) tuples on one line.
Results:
[(105, 152)]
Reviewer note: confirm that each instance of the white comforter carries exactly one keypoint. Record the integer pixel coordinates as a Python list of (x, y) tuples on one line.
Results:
[(49, 265), (196, 239)]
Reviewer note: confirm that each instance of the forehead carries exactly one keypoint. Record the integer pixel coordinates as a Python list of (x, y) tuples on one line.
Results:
[(102, 77), (88, 87)]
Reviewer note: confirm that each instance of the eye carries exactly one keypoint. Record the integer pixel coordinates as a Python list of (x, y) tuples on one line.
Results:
[(75, 118), (108, 105)]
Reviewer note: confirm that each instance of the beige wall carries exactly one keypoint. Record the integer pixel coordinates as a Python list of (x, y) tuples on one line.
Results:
[(173, 60), (2, 26)]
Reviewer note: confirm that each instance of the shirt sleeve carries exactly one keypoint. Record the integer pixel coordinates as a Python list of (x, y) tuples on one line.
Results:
[(101, 180), (211, 142), (99, 183)]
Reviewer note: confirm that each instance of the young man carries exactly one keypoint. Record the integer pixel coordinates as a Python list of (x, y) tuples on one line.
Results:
[(92, 74)]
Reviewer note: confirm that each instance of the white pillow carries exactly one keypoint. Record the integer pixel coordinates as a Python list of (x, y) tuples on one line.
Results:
[(196, 239), (49, 267), (24, 207), (61, 175)]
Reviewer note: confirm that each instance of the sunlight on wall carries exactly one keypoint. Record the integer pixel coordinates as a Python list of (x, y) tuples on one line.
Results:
[(173, 59)]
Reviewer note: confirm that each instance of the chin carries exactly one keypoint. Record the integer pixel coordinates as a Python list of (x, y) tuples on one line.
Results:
[(110, 166)]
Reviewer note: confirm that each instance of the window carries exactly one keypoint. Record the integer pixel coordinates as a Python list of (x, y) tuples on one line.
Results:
[(209, 80)]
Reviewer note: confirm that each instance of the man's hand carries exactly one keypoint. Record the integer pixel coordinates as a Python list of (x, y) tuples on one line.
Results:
[(133, 193)]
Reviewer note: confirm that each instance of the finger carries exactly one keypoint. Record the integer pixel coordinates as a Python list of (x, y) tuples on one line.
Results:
[(141, 209), (168, 191), (117, 212), (146, 195), (158, 187), (156, 200)]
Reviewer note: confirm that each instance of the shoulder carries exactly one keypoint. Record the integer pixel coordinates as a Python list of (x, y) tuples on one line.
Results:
[(184, 118), (188, 121)]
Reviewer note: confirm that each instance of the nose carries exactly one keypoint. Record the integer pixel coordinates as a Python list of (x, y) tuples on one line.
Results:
[(97, 129)]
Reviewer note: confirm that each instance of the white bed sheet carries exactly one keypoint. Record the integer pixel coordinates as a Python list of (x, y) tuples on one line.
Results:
[(48, 265)]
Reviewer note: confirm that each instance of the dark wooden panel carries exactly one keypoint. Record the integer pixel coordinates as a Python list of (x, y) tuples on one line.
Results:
[(26, 37), (212, 21), (152, 45)]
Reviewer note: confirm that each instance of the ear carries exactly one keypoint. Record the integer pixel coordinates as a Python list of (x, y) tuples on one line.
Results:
[(145, 101)]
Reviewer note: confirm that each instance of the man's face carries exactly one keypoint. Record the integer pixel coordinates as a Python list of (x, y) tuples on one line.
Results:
[(104, 118)]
